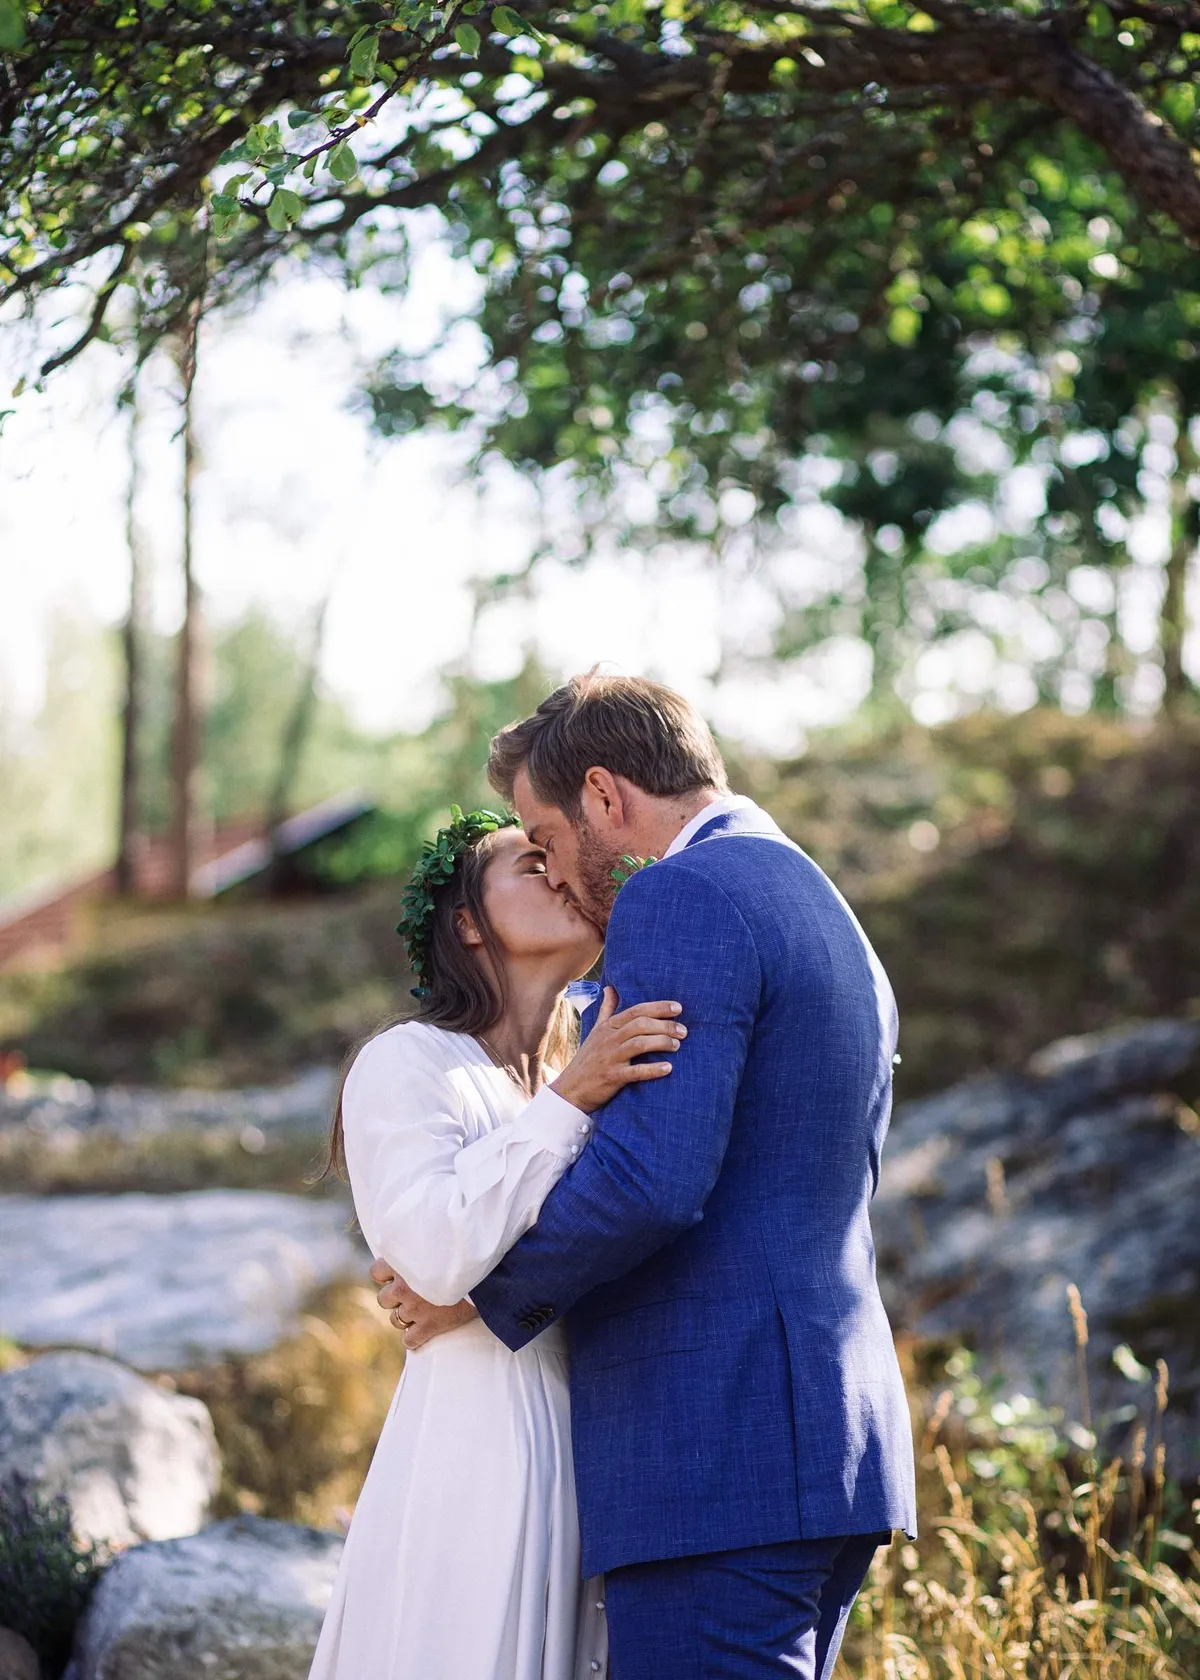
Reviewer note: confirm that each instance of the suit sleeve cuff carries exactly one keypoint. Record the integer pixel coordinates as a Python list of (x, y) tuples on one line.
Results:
[(552, 1123)]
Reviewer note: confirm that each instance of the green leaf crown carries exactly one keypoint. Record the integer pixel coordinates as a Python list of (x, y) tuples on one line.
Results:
[(436, 866)]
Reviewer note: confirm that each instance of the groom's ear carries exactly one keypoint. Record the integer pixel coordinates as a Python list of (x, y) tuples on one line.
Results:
[(603, 798)]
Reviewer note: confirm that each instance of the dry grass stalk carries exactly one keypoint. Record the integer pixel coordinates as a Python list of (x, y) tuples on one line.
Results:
[(1024, 1572)]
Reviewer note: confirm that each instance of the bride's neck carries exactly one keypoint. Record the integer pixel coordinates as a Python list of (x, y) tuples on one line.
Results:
[(520, 1037)]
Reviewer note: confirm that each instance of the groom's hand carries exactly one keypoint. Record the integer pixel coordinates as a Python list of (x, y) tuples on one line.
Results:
[(419, 1319)]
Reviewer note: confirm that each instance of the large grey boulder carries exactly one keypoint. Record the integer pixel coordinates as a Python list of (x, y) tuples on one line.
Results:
[(132, 1462), (167, 1282), (243, 1600), (1083, 1169)]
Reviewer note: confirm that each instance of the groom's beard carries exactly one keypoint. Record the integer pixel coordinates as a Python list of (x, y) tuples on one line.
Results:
[(597, 889)]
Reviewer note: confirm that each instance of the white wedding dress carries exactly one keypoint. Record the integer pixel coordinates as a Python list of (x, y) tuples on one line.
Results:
[(462, 1561)]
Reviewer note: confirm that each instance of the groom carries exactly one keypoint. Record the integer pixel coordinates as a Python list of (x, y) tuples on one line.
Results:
[(742, 1442)]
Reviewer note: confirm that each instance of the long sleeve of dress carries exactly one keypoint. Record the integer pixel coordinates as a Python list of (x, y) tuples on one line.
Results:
[(440, 1206)]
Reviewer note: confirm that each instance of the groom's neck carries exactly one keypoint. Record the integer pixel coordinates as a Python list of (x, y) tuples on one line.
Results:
[(659, 821)]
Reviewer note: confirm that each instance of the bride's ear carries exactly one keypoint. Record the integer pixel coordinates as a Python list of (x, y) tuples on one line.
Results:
[(464, 927)]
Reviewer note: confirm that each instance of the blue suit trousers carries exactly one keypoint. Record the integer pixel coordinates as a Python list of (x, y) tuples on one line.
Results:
[(758, 1613)]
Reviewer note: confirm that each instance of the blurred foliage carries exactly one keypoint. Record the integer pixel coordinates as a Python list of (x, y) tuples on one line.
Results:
[(254, 667), (1036, 1560), (296, 1427), (46, 1575), (60, 765), (726, 122), (237, 994), (1023, 879), (58, 768), (734, 262)]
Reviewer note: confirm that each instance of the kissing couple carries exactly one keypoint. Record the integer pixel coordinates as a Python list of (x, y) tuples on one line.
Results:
[(631, 1259)]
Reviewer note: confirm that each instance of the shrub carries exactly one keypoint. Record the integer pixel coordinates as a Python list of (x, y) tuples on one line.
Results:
[(1037, 1561), (46, 1574)]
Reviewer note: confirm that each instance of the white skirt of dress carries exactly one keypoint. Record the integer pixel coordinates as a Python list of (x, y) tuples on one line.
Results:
[(462, 1561)]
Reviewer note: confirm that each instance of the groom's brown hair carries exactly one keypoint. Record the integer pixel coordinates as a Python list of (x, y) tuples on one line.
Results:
[(637, 729)]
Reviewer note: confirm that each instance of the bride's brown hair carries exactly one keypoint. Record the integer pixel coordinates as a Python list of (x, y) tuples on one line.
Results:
[(463, 994)]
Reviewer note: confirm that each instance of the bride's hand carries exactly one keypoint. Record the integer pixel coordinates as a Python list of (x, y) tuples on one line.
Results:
[(604, 1062)]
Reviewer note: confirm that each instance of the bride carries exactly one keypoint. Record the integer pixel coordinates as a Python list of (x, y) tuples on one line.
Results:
[(462, 1562)]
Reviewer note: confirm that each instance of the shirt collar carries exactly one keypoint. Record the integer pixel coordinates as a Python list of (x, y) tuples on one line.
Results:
[(718, 808)]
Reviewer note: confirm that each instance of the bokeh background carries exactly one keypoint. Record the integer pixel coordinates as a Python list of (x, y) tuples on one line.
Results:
[(863, 409)]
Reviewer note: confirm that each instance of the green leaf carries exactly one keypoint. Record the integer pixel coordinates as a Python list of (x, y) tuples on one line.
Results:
[(224, 204), (285, 208), (364, 57), (298, 119), (12, 26), (508, 22), (343, 165), (468, 39)]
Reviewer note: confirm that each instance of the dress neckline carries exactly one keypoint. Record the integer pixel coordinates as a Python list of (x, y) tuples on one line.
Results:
[(483, 1059)]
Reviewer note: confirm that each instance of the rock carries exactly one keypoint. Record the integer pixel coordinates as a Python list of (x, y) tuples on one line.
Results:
[(18, 1659), (166, 1282), (303, 1107), (1085, 1169), (242, 1600), (133, 1463)]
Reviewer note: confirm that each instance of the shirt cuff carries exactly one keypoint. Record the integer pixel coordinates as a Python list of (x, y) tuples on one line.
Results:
[(552, 1123)]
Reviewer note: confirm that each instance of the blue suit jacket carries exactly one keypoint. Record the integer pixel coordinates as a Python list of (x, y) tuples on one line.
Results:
[(733, 1376)]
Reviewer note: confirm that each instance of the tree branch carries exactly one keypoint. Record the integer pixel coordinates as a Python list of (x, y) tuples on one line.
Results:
[(96, 318), (1155, 165)]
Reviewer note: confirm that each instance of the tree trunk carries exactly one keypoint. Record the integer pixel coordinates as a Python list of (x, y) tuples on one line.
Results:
[(291, 749), (1173, 618), (185, 734), (129, 834)]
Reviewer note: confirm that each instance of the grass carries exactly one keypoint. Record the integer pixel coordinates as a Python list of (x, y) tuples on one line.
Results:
[(297, 1426), (217, 995), (46, 1574), (1036, 1560)]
